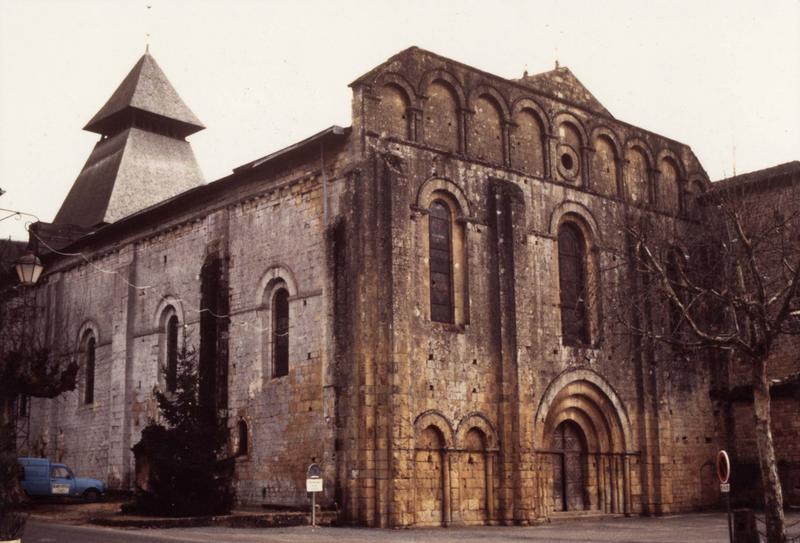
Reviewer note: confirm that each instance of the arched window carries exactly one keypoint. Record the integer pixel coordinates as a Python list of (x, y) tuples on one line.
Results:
[(171, 366), (88, 390), (572, 282), (242, 438), (280, 333), (441, 261)]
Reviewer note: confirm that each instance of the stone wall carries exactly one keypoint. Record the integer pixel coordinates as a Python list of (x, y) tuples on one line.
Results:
[(416, 417), (501, 363), (270, 229)]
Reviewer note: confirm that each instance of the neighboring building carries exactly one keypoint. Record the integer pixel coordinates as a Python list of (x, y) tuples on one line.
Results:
[(415, 302), (774, 194)]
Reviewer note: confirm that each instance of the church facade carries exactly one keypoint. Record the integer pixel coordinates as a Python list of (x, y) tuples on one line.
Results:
[(422, 302)]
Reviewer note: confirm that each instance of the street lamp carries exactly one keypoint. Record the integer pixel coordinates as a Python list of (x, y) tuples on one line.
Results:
[(29, 268)]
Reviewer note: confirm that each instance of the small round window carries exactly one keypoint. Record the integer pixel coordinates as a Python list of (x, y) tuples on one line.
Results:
[(568, 162)]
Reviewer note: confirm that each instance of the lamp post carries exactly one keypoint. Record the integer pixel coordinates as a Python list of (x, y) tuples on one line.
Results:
[(29, 268)]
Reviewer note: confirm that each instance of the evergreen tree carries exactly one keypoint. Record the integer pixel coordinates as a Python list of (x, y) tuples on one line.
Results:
[(185, 471)]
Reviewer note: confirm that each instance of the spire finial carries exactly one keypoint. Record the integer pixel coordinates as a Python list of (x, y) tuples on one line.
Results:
[(147, 42)]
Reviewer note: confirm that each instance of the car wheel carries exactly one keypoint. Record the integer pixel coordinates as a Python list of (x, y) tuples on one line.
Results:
[(91, 495)]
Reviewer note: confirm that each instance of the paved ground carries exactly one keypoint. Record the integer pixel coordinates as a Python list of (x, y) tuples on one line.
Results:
[(696, 528)]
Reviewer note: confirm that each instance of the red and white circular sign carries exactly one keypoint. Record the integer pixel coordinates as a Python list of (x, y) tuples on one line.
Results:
[(723, 467)]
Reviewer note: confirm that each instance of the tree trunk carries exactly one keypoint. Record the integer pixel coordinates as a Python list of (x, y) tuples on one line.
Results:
[(11, 493), (773, 497)]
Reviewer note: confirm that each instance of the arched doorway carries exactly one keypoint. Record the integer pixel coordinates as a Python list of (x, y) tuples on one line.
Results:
[(569, 467), (582, 439)]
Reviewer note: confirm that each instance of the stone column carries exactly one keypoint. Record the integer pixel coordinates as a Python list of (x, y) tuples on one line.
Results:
[(490, 488), (447, 505)]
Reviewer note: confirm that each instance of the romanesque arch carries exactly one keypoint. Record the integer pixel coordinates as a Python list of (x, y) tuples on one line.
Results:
[(395, 100), (443, 103), (638, 164), (581, 322), (606, 159), (276, 289), (445, 286), (671, 178), (572, 138), (487, 126), (475, 468), (88, 341), (528, 138), (433, 437), (583, 439), (693, 190)]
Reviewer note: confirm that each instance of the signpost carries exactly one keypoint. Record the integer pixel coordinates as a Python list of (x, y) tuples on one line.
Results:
[(724, 475), (314, 485)]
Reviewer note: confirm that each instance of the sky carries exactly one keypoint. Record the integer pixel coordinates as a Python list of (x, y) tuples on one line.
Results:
[(722, 77)]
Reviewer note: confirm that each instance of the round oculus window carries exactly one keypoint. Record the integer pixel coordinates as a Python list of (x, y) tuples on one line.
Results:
[(568, 162)]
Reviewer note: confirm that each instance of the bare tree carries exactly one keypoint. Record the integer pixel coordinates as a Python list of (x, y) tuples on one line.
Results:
[(28, 368), (730, 282)]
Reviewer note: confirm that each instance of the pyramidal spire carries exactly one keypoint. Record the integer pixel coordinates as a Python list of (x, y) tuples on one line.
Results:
[(147, 91), (142, 157)]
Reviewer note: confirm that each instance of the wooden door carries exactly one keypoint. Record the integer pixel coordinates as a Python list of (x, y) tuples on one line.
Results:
[(569, 467)]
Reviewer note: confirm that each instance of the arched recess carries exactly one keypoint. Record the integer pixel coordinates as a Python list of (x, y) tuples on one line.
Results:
[(476, 420), (433, 437), (569, 151), (487, 91), (582, 412), (277, 287), (476, 446), (528, 140), (606, 161), (398, 80), (694, 188), (395, 106), (669, 184), (443, 75), (445, 274), (392, 116), (437, 419), (442, 105), (638, 165), (488, 123)]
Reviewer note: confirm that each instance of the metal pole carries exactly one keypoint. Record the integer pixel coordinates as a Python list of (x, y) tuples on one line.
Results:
[(730, 524), (314, 509)]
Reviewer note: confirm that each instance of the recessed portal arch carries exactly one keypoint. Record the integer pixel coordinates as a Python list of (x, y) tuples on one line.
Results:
[(583, 440)]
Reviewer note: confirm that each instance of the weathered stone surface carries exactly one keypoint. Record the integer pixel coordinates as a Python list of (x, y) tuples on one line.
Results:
[(413, 421)]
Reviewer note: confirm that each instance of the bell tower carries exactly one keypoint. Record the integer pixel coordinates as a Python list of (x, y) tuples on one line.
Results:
[(142, 157)]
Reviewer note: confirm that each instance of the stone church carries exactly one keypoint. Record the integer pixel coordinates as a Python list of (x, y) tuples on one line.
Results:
[(415, 302)]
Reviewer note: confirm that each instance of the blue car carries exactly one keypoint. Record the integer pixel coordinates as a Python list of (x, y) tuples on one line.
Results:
[(39, 477)]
